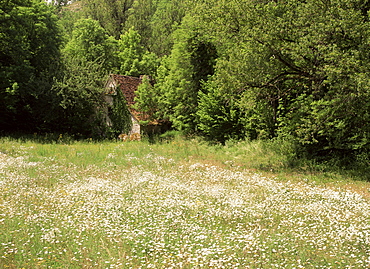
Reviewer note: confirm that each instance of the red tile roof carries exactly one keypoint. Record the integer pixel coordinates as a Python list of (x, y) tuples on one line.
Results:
[(128, 86)]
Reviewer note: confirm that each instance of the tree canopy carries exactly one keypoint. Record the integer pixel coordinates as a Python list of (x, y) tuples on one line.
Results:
[(296, 70), (29, 55)]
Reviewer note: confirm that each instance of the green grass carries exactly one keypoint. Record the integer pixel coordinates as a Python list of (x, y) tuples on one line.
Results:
[(179, 203)]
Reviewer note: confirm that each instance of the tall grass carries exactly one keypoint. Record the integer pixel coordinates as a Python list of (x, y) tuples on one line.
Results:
[(180, 203)]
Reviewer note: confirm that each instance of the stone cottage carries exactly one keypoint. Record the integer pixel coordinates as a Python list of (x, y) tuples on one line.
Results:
[(128, 85)]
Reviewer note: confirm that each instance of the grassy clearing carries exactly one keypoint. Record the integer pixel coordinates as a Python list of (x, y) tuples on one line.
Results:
[(179, 204)]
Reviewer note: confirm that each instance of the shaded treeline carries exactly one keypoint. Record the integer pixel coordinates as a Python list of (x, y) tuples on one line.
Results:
[(291, 70)]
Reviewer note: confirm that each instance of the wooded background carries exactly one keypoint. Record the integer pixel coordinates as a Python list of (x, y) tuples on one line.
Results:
[(224, 69)]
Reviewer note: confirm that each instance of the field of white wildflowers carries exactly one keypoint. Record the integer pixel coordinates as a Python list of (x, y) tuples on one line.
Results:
[(154, 212)]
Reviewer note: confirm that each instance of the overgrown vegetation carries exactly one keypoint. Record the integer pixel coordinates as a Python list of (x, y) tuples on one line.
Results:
[(224, 70), (120, 116)]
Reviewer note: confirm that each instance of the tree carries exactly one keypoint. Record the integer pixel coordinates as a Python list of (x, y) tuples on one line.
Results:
[(91, 42), (111, 14), (140, 17), (296, 68), (133, 59), (146, 100), (156, 21), (191, 62), (166, 19), (68, 16), (29, 55), (218, 117), (78, 106)]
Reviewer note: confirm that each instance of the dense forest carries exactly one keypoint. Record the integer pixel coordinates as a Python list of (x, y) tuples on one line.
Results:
[(223, 69)]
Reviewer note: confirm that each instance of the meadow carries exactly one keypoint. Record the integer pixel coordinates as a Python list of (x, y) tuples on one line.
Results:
[(177, 204)]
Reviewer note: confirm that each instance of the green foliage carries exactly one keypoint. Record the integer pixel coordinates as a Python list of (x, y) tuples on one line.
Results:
[(166, 19), (178, 87), (119, 115), (133, 59), (146, 100), (298, 69), (191, 61), (139, 18), (219, 118), (156, 21), (91, 42), (111, 14), (158, 91), (293, 70), (329, 112), (68, 16), (78, 105), (29, 54)]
